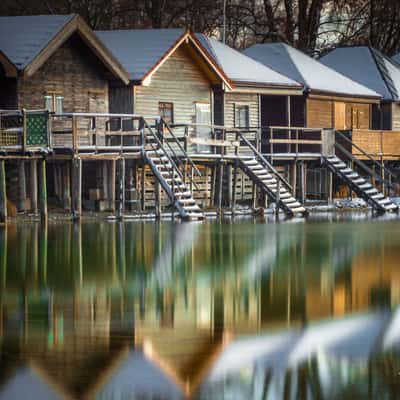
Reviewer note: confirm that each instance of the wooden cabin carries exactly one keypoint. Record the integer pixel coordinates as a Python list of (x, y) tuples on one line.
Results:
[(241, 106), (378, 72), (54, 62), (330, 99), (171, 75)]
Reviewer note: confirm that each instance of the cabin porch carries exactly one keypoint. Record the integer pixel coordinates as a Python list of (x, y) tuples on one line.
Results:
[(119, 163)]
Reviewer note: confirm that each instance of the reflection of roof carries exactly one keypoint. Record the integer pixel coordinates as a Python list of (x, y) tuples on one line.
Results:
[(26, 383), (310, 72), (368, 67), (137, 375), (242, 69)]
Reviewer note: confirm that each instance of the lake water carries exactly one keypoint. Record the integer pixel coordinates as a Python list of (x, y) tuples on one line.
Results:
[(250, 310)]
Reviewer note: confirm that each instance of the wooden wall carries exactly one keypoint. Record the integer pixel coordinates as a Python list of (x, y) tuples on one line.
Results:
[(249, 99), (69, 73), (337, 114), (179, 81), (395, 117), (8, 92)]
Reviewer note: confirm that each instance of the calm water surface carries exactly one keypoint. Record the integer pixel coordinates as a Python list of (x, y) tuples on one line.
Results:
[(143, 310)]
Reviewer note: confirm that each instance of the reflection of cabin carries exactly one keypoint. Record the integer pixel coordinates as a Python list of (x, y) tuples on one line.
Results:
[(54, 62), (240, 107), (330, 99), (170, 73)]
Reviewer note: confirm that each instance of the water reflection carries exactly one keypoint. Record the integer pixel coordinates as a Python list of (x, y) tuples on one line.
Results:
[(248, 311)]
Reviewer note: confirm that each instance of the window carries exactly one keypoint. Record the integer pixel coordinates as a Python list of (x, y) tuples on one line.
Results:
[(166, 111), (53, 102), (241, 116)]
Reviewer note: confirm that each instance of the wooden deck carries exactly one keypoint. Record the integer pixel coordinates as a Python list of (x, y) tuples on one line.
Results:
[(378, 144)]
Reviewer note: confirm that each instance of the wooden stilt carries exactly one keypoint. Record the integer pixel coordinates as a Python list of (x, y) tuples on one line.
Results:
[(330, 187), (56, 181), (21, 186), (235, 169), (43, 189), (33, 186), (66, 179), (121, 203), (104, 188), (157, 199), (213, 184), (3, 193), (220, 176), (111, 182), (143, 187), (294, 178), (77, 188), (229, 184)]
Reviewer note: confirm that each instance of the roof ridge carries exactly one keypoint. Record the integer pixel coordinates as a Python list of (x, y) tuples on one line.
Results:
[(385, 75), (287, 48)]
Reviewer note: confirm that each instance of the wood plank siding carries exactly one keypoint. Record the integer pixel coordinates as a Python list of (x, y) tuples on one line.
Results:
[(377, 143), (249, 99), (68, 73), (395, 116), (179, 81), (338, 114)]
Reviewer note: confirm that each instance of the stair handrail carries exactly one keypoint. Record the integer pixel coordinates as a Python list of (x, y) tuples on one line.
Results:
[(186, 155), (364, 153), (364, 167), (263, 159), (175, 167)]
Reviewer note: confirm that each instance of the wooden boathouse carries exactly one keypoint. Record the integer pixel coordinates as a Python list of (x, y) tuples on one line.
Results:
[(131, 121)]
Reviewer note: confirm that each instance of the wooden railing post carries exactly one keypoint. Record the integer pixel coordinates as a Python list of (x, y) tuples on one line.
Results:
[(3, 192), (74, 134)]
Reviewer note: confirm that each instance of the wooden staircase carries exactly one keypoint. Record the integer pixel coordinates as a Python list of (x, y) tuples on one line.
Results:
[(359, 185), (172, 182), (268, 179), (270, 185), (166, 171)]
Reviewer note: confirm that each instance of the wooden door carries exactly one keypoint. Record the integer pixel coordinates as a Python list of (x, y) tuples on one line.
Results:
[(340, 115), (203, 117)]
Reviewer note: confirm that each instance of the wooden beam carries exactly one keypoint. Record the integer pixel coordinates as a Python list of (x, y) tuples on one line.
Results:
[(34, 186), (111, 184), (121, 203), (295, 141), (3, 193), (66, 183), (43, 189), (77, 188), (21, 186)]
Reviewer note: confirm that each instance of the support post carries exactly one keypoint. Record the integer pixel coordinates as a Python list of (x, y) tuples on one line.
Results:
[(278, 199), (157, 198), (221, 172), (76, 188), (21, 186), (330, 187), (121, 203), (229, 184), (234, 188), (43, 189), (33, 186), (143, 183), (111, 181), (3, 193), (66, 178)]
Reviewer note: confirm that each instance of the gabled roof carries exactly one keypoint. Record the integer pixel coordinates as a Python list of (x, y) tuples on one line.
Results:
[(368, 67), (26, 42), (242, 69), (396, 58), (142, 51), (315, 76)]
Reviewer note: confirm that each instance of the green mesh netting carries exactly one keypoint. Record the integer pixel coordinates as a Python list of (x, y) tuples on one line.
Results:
[(36, 130)]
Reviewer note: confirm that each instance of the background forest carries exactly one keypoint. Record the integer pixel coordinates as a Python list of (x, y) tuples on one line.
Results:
[(313, 26)]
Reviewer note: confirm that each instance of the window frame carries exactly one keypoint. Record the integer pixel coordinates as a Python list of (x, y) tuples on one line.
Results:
[(162, 107), (236, 117), (54, 98)]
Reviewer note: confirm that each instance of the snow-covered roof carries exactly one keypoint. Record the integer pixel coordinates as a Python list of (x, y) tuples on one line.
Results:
[(242, 69), (368, 67), (314, 75), (22, 38), (138, 50)]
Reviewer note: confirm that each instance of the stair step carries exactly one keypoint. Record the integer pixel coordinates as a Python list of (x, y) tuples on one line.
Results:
[(346, 170), (391, 206), (192, 208), (378, 196), (359, 181), (298, 210), (187, 201), (371, 191), (352, 175), (339, 164), (365, 186), (384, 201), (183, 194)]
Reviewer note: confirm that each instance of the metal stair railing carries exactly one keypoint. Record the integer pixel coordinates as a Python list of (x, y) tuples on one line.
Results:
[(181, 148), (164, 162), (263, 161), (378, 177)]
